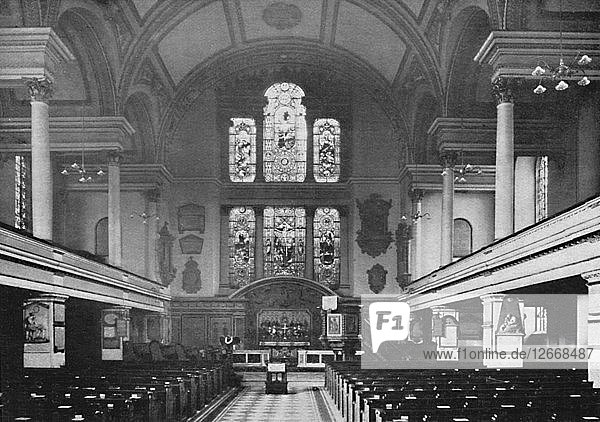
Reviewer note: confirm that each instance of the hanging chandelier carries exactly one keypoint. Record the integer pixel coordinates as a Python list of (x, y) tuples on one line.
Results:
[(464, 170), (78, 169), (574, 70), (144, 216)]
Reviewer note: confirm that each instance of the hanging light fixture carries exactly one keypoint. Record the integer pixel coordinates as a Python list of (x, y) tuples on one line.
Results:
[(79, 169), (144, 216), (562, 72)]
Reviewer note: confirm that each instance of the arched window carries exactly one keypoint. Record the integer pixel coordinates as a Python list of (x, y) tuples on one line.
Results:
[(22, 192), (326, 144), (102, 237), (242, 226), (463, 238), (327, 246), (242, 150), (284, 134), (285, 241), (541, 188)]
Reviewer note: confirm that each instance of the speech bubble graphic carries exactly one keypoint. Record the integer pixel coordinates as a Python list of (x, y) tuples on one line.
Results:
[(388, 321)]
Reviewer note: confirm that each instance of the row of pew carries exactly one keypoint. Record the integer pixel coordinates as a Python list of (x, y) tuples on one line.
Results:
[(120, 391), (465, 395)]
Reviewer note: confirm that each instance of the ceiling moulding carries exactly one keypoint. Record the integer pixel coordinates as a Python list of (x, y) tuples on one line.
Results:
[(429, 177), (29, 53), (514, 54), (100, 133), (532, 137), (134, 177)]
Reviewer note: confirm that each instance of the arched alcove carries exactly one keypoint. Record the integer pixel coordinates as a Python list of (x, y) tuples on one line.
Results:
[(283, 300)]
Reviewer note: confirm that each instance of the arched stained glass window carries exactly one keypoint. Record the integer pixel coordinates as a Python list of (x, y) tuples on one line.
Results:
[(242, 226), (284, 241), (22, 192), (541, 188), (284, 134), (463, 238), (327, 246), (326, 144), (242, 150)]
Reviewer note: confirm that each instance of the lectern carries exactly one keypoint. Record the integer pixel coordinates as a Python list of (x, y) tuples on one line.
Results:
[(276, 379)]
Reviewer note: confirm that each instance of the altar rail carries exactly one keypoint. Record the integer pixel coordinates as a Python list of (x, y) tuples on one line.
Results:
[(314, 358), (250, 358)]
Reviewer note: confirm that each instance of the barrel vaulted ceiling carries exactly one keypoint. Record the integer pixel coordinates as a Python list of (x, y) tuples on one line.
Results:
[(187, 40)]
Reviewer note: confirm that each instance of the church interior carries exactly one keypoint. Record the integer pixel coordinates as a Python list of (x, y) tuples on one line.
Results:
[(199, 200)]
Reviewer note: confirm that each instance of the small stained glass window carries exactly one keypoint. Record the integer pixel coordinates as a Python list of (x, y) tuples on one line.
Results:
[(326, 144), (327, 246), (22, 192), (242, 150), (284, 241), (284, 134), (242, 226), (463, 238), (541, 188)]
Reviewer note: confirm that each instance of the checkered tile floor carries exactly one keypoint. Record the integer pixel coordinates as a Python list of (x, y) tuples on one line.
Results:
[(299, 405)]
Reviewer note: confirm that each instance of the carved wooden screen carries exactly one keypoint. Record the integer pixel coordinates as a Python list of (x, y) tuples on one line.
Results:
[(326, 145), (284, 148), (284, 240), (242, 150), (242, 226), (327, 246)]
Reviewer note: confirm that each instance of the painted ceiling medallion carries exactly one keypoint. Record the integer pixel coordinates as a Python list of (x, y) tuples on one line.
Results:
[(282, 15)]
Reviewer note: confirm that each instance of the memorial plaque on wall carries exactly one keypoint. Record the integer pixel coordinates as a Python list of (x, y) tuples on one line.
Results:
[(191, 245), (59, 339), (191, 218)]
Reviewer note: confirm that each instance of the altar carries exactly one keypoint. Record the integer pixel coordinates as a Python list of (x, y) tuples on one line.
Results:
[(283, 332)]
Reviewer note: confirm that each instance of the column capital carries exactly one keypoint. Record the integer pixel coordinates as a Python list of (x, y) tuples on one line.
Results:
[(40, 89), (502, 90), (495, 297), (115, 158), (591, 277), (448, 159), (416, 195)]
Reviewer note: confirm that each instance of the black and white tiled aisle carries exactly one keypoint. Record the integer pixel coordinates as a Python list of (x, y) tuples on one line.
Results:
[(306, 401)]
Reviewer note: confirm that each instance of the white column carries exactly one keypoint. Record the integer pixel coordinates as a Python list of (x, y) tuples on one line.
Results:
[(492, 304), (40, 91), (152, 198), (447, 223), (505, 166), (417, 235), (593, 324), (114, 210), (524, 192)]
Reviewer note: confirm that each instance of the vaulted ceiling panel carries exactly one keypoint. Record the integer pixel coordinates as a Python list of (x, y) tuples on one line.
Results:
[(142, 6), (294, 18), (199, 36), (366, 36), (415, 6)]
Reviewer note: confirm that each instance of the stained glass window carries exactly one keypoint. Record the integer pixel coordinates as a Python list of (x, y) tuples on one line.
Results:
[(463, 238), (22, 192), (284, 134), (327, 246), (242, 226), (326, 145), (541, 188), (242, 150), (284, 241)]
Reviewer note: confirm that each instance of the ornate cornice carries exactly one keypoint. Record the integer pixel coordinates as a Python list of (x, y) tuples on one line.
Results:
[(592, 277)]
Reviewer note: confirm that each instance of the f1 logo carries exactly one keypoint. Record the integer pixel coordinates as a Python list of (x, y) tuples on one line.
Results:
[(389, 322)]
